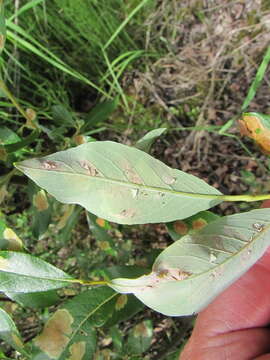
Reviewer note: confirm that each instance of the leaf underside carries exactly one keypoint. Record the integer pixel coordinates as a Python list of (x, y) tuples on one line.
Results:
[(120, 183), (190, 273)]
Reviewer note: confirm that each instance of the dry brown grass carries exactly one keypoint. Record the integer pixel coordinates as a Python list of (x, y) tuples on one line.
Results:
[(211, 52)]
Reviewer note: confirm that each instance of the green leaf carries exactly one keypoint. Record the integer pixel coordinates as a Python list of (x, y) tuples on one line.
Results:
[(189, 274), (23, 273), (8, 136), (148, 139), (139, 339), (41, 210), (35, 300), (12, 147), (62, 116), (257, 81), (179, 228), (9, 332), (70, 333), (9, 240), (99, 113), (120, 183)]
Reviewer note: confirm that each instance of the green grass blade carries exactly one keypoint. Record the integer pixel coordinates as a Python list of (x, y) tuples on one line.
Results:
[(124, 23), (257, 81)]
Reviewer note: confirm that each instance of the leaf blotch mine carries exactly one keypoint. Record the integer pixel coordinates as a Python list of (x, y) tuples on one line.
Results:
[(259, 227), (49, 165), (54, 337), (100, 222), (180, 227), (168, 179), (121, 302), (199, 224), (141, 330), (90, 168), (132, 175), (14, 242), (77, 351), (40, 201), (127, 213)]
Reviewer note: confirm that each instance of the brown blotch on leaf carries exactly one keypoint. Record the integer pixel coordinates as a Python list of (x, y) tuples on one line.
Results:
[(140, 330), (198, 224), (172, 274), (132, 175), (49, 165), (54, 337), (168, 179), (252, 127), (14, 242), (80, 139), (121, 302), (77, 351), (180, 227), (40, 201), (90, 168), (100, 222), (127, 213)]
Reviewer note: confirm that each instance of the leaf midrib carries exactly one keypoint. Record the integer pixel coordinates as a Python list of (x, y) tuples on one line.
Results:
[(133, 185)]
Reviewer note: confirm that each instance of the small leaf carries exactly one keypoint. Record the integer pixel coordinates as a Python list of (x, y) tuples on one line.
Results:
[(120, 184), (9, 240), (190, 273), (139, 339), (42, 210), (62, 116), (70, 333), (257, 127), (99, 113), (23, 273), (9, 332), (148, 139)]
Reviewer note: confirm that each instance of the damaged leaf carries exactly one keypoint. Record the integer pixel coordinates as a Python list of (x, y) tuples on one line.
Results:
[(9, 332), (70, 333), (139, 339), (120, 183), (23, 273), (9, 240), (190, 273), (257, 127), (179, 228)]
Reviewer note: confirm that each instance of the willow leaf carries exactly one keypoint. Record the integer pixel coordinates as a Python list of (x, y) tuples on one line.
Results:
[(120, 183), (70, 333), (23, 273), (9, 332), (190, 273)]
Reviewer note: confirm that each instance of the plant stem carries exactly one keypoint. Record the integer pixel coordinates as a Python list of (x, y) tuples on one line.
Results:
[(6, 91), (90, 283)]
